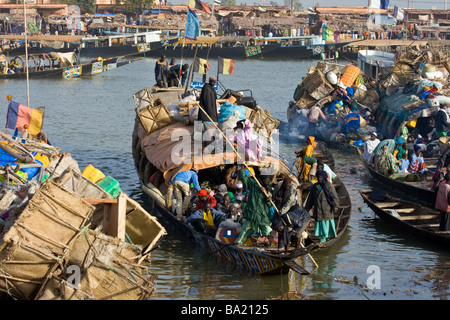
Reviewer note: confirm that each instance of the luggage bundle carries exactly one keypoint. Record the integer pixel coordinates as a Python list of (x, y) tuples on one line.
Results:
[(153, 113)]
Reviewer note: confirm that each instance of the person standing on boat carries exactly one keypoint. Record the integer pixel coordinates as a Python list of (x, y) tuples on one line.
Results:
[(257, 208), (285, 196), (206, 219), (208, 101), (369, 147), (161, 72), (442, 121), (311, 162), (175, 74), (325, 201), (182, 190), (308, 152), (314, 115), (443, 203)]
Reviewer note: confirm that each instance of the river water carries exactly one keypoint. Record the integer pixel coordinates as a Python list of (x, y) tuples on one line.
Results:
[(92, 119)]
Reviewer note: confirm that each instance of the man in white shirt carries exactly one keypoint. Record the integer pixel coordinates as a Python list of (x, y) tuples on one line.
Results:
[(369, 146)]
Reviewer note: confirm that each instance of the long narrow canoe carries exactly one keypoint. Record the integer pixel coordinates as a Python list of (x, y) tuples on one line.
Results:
[(415, 218)]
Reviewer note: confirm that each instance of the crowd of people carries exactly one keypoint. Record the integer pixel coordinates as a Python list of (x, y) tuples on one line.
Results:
[(261, 207), (170, 74), (395, 156)]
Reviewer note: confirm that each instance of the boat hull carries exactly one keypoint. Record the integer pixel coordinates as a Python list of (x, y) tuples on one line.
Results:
[(383, 214), (272, 51), (86, 69), (251, 261)]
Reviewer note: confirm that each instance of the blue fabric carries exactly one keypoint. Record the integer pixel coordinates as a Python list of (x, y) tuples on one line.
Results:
[(325, 230), (188, 177), (227, 110)]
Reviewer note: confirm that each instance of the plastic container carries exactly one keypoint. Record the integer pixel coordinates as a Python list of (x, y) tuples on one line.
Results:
[(93, 174), (110, 185)]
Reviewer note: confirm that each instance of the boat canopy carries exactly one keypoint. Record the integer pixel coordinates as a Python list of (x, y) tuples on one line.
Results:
[(171, 150)]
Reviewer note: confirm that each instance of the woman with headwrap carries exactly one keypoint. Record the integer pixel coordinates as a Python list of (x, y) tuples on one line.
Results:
[(308, 150), (325, 201)]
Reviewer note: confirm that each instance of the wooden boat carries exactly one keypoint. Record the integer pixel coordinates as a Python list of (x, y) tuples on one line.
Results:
[(304, 47), (74, 71), (67, 219), (251, 256), (416, 191), (108, 46), (412, 217)]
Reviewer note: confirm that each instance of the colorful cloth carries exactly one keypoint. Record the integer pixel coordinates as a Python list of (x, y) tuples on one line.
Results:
[(387, 164), (325, 230), (417, 164), (19, 116)]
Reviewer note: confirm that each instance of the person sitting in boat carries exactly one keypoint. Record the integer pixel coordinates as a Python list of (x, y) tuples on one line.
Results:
[(369, 147), (14, 66), (325, 201), (285, 196), (257, 208), (240, 192), (225, 204), (182, 190), (403, 164), (417, 164), (175, 74), (400, 149), (201, 197), (206, 219), (379, 150), (387, 164), (291, 225), (221, 191)]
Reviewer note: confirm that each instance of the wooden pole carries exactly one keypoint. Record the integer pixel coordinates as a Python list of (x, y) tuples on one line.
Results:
[(190, 69), (26, 52)]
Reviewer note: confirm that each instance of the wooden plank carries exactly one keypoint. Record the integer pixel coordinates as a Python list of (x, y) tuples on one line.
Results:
[(422, 217), (387, 204), (426, 225), (405, 210), (117, 218), (100, 200)]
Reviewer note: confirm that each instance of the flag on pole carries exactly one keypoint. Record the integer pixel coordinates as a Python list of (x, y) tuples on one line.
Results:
[(19, 115), (226, 66), (379, 4), (192, 25), (399, 14), (197, 4), (201, 66)]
